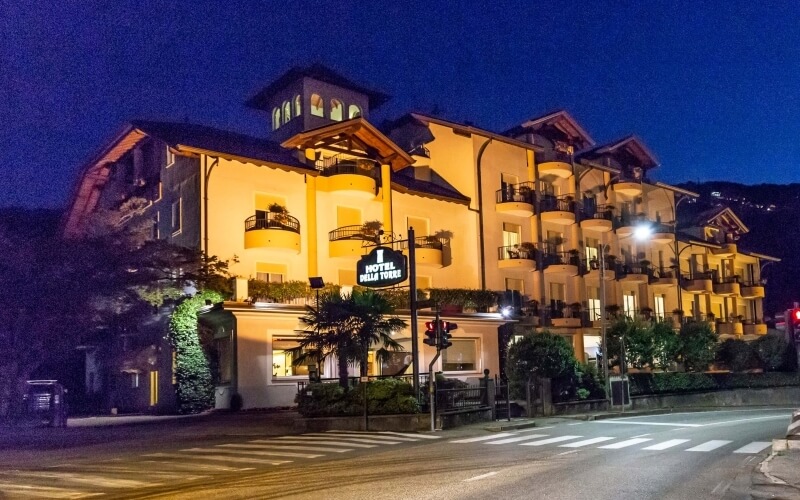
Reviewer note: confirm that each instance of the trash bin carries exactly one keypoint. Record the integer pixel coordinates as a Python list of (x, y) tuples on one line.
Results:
[(44, 401), (620, 391)]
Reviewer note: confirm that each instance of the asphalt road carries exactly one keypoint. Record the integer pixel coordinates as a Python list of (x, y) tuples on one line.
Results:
[(675, 456)]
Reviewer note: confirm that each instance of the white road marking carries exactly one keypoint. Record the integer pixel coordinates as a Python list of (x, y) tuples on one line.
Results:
[(257, 453), (482, 476), (518, 439), (551, 440), (30, 491), (721, 488), (313, 440), (666, 424), (624, 444), (288, 446), (754, 447), (585, 442), (361, 435), (567, 453), (710, 445), (483, 438), (667, 444), (358, 439), (219, 458), (172, 465), (93, 480), (577, 423), (642, 435), (404, 434), (535, 429)]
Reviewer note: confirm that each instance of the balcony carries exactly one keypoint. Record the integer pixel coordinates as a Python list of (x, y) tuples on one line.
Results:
[(725, 250), (752, 290), (554, 163), (697, 283), (626, 225), (628, 188), (349, 241), (516, 199), (662, 233), (727, 286), (663, 278), (634, 273), (730, 327), (600, 219), (352, 176), (558, 209), (517, 256), (428, 250), (757, 328), (592, 267), (561, 263), (276, 231), (560, 315)]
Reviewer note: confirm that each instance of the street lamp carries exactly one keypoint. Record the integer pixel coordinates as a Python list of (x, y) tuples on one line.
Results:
[(316, 284)]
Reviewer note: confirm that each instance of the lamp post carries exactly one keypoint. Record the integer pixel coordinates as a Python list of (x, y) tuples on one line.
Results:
[(316, 284), (603, 314)]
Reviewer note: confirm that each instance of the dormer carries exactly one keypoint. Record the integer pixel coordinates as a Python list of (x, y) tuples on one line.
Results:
[(717, 225), (554, 131), (303, 99), (629, 155)]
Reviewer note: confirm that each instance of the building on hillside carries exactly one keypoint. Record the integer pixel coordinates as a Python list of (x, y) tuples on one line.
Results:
[(527, 211)]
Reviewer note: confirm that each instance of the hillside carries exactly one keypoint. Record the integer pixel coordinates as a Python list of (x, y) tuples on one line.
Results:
[(771, 212)]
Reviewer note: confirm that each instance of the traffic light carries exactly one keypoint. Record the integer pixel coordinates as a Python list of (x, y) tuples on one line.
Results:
[(793, 323), (430, 333), (445, 336)]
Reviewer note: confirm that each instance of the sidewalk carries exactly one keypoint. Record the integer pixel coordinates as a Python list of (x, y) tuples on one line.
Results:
[(779, 475)]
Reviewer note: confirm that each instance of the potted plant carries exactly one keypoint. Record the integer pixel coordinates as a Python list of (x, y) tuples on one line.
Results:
[(647, 313), (372, 228), (527, 250), (574, 257), (279, 213), (612, 310), (575, 309)]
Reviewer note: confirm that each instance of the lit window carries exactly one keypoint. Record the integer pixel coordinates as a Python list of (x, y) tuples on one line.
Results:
[(629, 304), (658, 307), (287, 111), (511, 234), (276, 118), (515, 284), (282, 358), (317, 105), (170, 157), (270, 277), (176, 216), (353, 111), (336, 110), (462, 356), (134, 380), (298, 106)]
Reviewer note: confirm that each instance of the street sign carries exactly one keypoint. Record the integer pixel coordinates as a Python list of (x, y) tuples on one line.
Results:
[(381, 267)]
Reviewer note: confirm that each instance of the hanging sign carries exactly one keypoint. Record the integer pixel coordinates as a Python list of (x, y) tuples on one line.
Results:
[(381, 267)]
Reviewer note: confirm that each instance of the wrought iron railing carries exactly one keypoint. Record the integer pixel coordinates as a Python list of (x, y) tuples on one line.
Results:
[(271, 220), (336, 165), (602, 212), (553, 155), (433, 242), (512, 252), (520, 193), (356, 232), (456, 400), (719, 280), (550, 203)]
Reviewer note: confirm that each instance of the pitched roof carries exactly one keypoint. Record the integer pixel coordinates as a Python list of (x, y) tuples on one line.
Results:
[(718, 216), (560, 120), (407, 182), (317, 72), (222, 142), (634, 145)]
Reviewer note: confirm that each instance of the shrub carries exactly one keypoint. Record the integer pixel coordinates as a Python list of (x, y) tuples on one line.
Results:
[(774, 353), (737, 355), (385, 397), (669, 383), (542, 355), (698, 344), (666, 344)]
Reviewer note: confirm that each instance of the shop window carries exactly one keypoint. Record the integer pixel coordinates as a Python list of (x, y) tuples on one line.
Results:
[(317, 105), (336, 110), (353, 111), (283, 358), (462, 356)]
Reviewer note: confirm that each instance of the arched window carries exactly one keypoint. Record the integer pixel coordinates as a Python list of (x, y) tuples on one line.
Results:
[(298, 107), (317, 105), (276, 118), (287, 111), (354, 111), (336, 110)]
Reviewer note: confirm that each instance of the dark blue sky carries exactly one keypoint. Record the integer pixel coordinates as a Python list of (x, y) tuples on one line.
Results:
[(710, 86)]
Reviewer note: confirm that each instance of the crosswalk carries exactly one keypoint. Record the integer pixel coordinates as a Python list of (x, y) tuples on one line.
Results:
[(605, 443), (152, 470)]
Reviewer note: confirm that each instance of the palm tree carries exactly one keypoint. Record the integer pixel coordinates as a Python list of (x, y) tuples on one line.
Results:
[(346, 327)]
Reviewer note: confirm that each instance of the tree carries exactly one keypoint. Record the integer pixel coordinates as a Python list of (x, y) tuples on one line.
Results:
[(347, 327), (544, 355), (774, 352), (698, 344), (666, 344)]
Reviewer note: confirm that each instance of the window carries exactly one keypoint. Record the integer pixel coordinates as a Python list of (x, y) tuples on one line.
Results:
[(317, 105), (555, 241), (353, 111), (276, 118), (156, 233), (170, 157), (271, 273), (629, 304), (420, 225), (282, 358), (592, 246), (287, 111), (298, 106), (593, 303), (658, 307), (515, 284), (336, 110), (176, 216), (134, 378), (462, 356), (511, 234), (557, 297)]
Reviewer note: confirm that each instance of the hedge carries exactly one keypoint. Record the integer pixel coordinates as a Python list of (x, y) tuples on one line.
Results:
[(386, 397), (675, 382)]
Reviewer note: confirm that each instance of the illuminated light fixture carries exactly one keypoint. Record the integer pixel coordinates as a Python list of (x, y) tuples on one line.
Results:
[(642, 232), (506, 311)]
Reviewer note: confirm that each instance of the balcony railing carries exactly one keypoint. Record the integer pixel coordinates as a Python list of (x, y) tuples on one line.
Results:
[(511, 252), (356, 232), (272, 220), (603, 212), (625, 269), (727, 279), (517, 193), (337, 165), (752, 282), (593, 264), (552, 155), (565, 203), (432, 242)]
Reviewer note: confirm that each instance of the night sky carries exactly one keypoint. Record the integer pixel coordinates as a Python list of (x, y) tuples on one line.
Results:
[(710, 86)]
